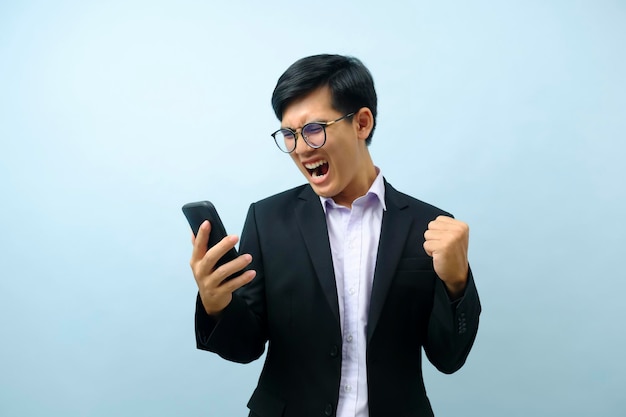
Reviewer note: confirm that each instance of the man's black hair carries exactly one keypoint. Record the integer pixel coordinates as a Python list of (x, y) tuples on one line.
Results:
[(350, 82)]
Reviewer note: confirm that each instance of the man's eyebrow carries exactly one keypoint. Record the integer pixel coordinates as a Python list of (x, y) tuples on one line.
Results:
[(314, 120), (294, 128)]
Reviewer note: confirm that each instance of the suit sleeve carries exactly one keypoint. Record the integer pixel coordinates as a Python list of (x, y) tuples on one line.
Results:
[(240, 333), (452, 327)]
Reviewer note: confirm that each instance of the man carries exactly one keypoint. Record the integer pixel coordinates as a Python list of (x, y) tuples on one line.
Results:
[(346, 278)]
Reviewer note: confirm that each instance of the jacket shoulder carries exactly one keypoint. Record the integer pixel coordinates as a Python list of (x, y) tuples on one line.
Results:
[(283, 198), (403, 200)]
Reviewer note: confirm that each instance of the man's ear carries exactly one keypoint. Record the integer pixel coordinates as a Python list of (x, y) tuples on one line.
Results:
[(365, 122)]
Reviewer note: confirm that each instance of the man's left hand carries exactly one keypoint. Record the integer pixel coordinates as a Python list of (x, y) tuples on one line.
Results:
[(447, 240)]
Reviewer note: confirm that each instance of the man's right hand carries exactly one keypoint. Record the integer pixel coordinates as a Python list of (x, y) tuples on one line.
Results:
[(214, 292)]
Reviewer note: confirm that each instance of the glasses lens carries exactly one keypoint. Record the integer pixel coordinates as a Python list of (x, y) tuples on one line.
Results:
[(285, 139), (314, 134)]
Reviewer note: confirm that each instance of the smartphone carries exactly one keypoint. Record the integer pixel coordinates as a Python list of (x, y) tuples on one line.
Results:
[(196, 213)]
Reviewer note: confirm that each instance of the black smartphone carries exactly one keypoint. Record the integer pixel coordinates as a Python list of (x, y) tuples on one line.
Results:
[(196, 213)]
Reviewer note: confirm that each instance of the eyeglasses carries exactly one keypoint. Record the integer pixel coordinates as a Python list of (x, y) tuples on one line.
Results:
[(314, 134)]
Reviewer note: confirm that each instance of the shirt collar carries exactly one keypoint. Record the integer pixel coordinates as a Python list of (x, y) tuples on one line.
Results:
[(376, 191)]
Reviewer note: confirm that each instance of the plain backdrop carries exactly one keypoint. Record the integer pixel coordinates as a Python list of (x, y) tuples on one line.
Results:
[(511, 115)]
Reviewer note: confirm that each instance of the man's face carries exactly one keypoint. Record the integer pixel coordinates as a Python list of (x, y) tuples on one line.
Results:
[(341, 169)]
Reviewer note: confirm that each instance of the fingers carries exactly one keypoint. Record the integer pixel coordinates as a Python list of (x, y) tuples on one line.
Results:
[(233, 284), (215, 292), (435, 234), (230, 268), (447, 223), (432, 246), (216, 252), (443, 233), (205, 269)]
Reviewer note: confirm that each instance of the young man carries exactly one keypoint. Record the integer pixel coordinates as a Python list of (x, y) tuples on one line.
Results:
[(346, 278)]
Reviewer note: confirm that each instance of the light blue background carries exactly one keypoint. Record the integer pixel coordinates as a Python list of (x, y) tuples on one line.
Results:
[(509, 114)]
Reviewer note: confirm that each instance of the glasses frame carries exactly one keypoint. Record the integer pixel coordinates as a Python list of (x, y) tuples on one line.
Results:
[(295, 133)]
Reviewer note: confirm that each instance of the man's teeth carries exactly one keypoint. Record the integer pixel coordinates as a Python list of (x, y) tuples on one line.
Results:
[(314, 168), (315, 164)]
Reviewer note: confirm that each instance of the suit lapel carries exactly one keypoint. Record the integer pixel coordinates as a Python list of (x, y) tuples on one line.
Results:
[(312, 222), (393, 234)]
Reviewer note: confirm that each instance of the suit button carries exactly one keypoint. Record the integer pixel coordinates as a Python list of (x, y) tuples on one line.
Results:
[(334, 351), (329, 410)]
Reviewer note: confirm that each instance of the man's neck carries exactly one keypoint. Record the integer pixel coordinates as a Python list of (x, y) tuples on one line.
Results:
[(360, 188)]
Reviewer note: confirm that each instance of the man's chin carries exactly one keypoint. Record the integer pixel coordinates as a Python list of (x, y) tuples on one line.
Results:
[(321, 191)]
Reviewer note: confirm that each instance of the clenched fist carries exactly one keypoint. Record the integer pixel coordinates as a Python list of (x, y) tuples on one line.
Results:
[(447, 241)]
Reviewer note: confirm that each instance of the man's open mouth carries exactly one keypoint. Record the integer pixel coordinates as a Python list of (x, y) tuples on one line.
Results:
[(317, 168)]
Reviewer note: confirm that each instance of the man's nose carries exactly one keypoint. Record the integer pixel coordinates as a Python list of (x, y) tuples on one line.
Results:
[(301, 145)]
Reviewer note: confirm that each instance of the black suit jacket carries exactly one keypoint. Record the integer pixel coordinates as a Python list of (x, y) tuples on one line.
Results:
[(292, 304)]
